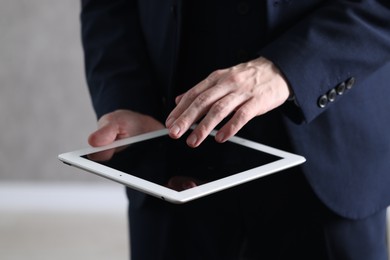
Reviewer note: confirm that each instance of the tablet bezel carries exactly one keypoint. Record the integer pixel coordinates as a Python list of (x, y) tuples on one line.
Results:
[(75, 158)]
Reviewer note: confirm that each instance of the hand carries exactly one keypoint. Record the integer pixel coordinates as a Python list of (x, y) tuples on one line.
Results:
[(245, 91), (118, 125)]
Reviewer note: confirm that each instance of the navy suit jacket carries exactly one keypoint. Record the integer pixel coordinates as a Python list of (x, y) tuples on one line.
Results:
[(334, 54)]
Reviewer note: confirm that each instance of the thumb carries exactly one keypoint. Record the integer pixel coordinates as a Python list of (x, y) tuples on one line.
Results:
[(104, 135)]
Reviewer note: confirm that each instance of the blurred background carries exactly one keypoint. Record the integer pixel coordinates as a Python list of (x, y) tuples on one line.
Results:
[(49, 210)]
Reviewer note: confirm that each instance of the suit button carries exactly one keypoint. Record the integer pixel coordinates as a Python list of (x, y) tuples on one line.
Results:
[(242, 8), (340, 88), (323, 101), (350, 83), (332, 95)]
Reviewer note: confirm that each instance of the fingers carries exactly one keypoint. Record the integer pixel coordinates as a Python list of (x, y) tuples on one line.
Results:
[(246, 91), (218, 112), (193, 105), (215, 99), (184, 101), (240, 118)]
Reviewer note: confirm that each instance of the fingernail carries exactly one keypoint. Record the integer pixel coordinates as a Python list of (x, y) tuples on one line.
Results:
[(220, 137), (192, 139), (174, 130), (170, 121)]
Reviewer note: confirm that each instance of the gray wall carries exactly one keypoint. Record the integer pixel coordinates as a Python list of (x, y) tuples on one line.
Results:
[(44, 104)]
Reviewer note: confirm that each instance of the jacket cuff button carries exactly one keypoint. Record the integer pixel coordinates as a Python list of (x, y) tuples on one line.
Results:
[(340, 88), (323, 101), (350, 82), (332, 95)]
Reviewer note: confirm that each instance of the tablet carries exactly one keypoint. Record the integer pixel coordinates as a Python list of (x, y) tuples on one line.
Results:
[(168, 169)]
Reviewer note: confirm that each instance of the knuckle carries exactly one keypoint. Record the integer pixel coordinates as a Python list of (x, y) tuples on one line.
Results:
[(237, 74), (191, 94), (216, 73), (184, 122), (219, 108), (215, 76), (243, 114), (235, 77), (201, 100)]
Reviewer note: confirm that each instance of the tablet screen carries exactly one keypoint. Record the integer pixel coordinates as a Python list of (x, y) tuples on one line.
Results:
[(171, 163)]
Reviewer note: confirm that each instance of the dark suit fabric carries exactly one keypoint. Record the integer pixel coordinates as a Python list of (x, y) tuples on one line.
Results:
[(335, 56)]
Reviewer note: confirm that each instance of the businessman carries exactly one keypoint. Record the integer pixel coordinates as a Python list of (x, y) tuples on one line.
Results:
[(310, 77)]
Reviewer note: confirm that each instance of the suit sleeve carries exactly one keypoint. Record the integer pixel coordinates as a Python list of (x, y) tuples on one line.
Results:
[(330, 51), (116, 62)]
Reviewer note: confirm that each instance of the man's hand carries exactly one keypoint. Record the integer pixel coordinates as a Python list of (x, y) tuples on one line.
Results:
[(245, 91), (118, 125)]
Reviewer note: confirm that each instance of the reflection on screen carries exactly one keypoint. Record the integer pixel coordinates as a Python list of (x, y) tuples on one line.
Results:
[(171, 163)]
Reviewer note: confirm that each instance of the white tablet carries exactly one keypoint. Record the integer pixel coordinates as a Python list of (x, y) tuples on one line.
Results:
[(168, 169)]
